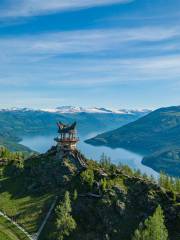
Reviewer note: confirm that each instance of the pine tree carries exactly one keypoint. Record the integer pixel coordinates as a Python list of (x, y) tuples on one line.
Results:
[(75, 195), (65, 223), (138, 235), (154, 228)]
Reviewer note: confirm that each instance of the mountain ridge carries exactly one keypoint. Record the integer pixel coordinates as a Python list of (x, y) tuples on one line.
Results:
[(108, 201), (16, 123), (157, 131), (76, 109)]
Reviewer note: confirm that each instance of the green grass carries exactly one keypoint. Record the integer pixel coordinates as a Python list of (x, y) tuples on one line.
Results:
[(8, 231), (4, 237), (28, 210)]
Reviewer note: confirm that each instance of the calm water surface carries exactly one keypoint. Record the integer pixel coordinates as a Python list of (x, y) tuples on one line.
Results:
[(119, 155)]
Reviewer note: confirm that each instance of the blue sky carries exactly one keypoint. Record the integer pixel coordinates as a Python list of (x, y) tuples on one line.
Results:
[(112, 53)]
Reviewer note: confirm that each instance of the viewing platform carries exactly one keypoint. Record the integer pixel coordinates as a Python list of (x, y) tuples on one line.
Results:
[(67, 139)]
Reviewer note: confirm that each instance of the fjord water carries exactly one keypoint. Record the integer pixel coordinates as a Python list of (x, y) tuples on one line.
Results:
[(118, 155)]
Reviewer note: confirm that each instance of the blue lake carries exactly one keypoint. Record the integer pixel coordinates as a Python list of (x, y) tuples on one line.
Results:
[(119, 155)]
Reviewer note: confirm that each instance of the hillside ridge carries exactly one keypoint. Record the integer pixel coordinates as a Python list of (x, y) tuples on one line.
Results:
[(107, 197), (156, 132)]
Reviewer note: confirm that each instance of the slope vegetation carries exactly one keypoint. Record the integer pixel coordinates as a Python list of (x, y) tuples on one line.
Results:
[(10, 232), (109, 203), (159, 129)]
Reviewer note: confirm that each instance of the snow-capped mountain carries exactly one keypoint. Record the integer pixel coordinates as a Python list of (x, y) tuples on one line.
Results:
[(73, 109), (90, 120), (21, 109)]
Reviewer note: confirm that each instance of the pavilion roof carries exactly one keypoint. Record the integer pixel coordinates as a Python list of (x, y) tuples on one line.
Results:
[(66, 128)]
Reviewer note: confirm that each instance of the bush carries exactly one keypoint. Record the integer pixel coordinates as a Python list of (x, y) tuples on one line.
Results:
[(88, 177)]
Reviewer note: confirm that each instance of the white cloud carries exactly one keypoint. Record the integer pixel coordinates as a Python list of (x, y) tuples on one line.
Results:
[(39, 60), (24, 8), (88, 42), (94, 72)]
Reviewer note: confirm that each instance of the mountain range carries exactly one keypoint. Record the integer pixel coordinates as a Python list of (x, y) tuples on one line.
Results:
[(103, 200), (155, 134), (74, 109), (16, 123)]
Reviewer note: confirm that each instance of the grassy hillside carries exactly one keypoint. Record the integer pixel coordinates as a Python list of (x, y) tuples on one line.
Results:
[(28, 210), (10, 232), (159, 129), (110, 202)]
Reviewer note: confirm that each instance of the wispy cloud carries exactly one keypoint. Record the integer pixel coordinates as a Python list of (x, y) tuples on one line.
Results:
[(92, 72), (24, 8), (89, 42), (135, 45), (79, 58)]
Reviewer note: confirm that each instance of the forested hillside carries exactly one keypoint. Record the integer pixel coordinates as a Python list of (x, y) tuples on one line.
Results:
[(155, 134), (157, 130), (103, 201)]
